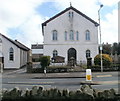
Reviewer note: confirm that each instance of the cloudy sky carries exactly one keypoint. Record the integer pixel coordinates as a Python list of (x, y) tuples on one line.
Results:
[(21, 19)]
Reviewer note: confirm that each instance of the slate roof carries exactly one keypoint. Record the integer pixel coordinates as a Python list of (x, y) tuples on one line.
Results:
[(17, 43), (62, 12)]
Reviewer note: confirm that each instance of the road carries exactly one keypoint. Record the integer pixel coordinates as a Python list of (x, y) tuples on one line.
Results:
[(22, 80)]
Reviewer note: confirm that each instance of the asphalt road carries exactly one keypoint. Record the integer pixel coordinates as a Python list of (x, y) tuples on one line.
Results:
[(22, 80)]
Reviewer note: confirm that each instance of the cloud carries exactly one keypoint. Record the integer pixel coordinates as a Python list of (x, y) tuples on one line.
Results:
[(31, 31), (109, 2), (17, 14), (110, 27), (22, 15)]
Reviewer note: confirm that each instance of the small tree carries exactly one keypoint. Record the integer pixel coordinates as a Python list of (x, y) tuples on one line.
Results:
[(107, 60), (45, 61)]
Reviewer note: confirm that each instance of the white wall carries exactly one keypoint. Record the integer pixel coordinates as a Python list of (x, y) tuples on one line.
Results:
[(62, 24), (23, 57), (6, 45)]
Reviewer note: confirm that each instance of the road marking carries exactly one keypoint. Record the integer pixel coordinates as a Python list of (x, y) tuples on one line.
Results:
[(101, 82), (104, 76), (30, 83), (109, 82)]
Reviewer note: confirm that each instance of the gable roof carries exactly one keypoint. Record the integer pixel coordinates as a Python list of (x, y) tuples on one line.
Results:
[(62, 12), (17, 43)]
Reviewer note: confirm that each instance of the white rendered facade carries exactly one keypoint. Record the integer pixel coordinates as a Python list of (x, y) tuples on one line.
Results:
[(15, 59), (74, 24)]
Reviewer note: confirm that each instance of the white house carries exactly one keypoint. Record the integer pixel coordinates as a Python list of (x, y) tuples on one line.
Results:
[(13, 54), (70, 34)]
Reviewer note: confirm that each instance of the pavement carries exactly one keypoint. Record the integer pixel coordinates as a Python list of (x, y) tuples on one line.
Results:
[(21, 73)]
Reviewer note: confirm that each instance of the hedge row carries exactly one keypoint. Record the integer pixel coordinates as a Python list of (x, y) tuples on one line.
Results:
[(85, 93)]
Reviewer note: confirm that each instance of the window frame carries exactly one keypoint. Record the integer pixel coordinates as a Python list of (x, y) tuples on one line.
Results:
[(54, 35), (88, 53), (87, 35), (77, 35), (55, 53), (11, 54), (71, 36)]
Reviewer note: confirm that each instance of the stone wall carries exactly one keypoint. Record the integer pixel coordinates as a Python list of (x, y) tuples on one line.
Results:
[(85, 93)]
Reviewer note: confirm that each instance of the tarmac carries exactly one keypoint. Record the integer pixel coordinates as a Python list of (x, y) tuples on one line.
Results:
[(21, 73)]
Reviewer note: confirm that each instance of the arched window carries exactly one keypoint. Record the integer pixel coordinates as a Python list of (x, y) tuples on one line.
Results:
[(54, 35), (71, 35), (55, 53), (87, 53), (87, 35), (77, 35), (11, 54), (65, 35)]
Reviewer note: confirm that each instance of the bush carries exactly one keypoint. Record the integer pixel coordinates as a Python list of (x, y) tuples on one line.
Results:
[(107, 60), (58, 69), (45, 61)]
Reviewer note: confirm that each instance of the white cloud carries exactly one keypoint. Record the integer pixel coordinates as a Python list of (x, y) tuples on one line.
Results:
[(108, 2), (22, 14), (110, 27), (31, 31), (17, 14)]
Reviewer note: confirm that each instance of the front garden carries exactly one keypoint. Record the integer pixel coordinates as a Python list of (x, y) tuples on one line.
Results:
[(108, 65)]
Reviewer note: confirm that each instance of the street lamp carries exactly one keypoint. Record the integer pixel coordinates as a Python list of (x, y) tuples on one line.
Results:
[(100, 38)]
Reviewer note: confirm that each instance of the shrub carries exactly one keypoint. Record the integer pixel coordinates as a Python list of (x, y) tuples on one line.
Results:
[(45, 61), (107, 60)]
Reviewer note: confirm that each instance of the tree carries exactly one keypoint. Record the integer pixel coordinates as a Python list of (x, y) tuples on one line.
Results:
[(107, 49), (118, 48), (45, 61), (115, 48), (107, 60)]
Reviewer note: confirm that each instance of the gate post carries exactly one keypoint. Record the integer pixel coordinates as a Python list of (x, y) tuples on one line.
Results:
[(89, 62)]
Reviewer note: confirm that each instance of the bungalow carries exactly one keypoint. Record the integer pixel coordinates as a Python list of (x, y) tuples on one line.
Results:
[(13, 54)]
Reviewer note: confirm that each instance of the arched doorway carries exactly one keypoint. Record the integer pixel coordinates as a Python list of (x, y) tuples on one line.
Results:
[(72, 55)]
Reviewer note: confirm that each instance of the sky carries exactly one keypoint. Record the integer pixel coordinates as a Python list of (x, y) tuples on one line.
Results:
[(21, 19)]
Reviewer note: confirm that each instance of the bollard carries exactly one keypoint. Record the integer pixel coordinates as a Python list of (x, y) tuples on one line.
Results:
[(88, 75)]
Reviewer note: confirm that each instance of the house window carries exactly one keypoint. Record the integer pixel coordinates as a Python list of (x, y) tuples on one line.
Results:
[(77, 35), (88, 35), (65, 35), (71, 35), (11, 54), (70, 14), (55, 53), (54, 35), (87, 53)]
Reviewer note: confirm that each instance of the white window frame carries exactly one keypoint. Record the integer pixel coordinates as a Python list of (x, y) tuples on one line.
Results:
[(54, 35), (87, 35)]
